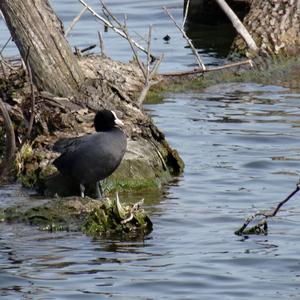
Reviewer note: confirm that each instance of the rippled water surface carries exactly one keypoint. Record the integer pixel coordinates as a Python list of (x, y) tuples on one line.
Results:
[(240, 144)]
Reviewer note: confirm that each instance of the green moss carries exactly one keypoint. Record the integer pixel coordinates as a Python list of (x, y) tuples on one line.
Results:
[(106, 220), (177, 85), (93, 217), (112, 185)]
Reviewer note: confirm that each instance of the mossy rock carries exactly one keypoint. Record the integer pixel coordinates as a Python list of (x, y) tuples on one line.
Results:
[(96, 218)]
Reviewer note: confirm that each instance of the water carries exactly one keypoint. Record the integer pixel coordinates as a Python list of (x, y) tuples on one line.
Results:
[(240, 146), (140, 14)]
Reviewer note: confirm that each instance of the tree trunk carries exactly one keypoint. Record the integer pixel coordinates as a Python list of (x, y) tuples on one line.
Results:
[(38, 34), (274, 25)]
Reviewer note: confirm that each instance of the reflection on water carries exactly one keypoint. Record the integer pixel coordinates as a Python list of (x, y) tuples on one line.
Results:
[(210, 29), (240, 143)]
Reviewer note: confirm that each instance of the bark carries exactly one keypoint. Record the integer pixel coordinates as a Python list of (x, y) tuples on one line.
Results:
[(7, 161), (39, 37), (274, 25)]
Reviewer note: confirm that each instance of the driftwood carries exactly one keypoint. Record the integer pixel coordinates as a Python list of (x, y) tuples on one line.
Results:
[(238, 25), (262, 227)]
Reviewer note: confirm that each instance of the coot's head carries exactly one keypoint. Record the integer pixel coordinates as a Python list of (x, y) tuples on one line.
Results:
[(106, 120)]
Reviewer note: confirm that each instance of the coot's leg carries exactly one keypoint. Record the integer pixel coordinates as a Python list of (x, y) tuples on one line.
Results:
[(99, 191), (82, 188)]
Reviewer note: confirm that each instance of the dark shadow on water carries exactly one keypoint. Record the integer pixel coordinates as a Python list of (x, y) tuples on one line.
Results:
[(209, 28)]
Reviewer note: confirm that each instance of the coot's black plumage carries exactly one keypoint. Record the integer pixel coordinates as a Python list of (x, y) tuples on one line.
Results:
[(93, 157)]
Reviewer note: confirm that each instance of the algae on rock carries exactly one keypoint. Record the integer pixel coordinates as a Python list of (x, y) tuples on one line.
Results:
[(93, 217)]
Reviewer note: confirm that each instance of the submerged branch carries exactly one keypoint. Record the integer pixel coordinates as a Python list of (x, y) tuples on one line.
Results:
[(261, 226)]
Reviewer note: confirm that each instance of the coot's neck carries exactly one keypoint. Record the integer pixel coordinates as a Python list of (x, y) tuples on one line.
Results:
[(104, 128)]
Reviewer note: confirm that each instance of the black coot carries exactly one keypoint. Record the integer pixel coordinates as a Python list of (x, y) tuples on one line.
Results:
[(93, 157)]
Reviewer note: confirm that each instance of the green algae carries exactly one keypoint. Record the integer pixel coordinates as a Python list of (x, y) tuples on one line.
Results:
[(96, 218)]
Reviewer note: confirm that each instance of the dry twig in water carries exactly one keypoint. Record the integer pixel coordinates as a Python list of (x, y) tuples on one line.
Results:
[(261, 227)]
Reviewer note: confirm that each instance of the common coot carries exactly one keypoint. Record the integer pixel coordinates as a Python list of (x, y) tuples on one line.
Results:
[(93, 157)]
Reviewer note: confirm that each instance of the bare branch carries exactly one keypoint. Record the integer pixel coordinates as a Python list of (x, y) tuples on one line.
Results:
[(238, 25), (101, 42), (31, 120), (75, 21), (199, 70), (257, 229), (185, 14), (136, 56), (148, 52), (108, 13), (108, 24), (10, 141), (4, 46), (198, 58)]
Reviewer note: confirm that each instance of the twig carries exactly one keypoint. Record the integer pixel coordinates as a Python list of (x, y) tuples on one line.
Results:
[(88, 48), (32, 96), (147, 72), (156, 65), (10, 141), (101, 43), (109, 14), (159, 155), (134, 208), (108, 24), (238, 25), (148, 53), (75, 20), (4, 73), (4, 46), (265, 214), (199, 70), (198, 58), (185, 14), (136, 56), (148, 82)]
